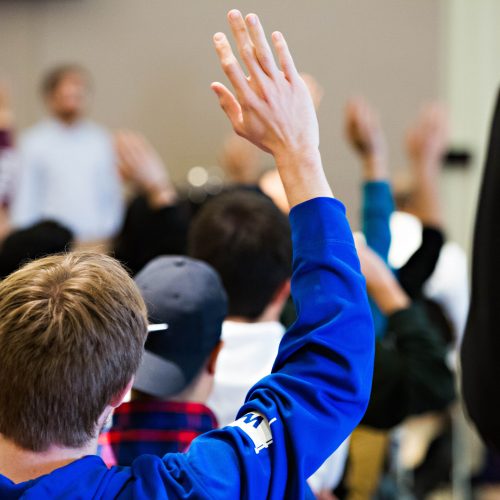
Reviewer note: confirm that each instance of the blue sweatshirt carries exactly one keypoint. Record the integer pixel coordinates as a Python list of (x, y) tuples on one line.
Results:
[(292, 420)]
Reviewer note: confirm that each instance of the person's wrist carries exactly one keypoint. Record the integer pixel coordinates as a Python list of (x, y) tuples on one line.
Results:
[(301, 172), (297, 155), (425, 170), (375, 167), (389, 296)]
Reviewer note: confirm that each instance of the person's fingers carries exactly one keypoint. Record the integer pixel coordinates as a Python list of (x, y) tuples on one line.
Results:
[(230, 106), (132, 149), (231, 67), (245, 46), (261, 45), (284, 57)]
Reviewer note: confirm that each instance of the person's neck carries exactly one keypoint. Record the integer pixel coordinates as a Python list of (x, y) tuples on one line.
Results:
[(67, 121), (20, 465), (269, 315)]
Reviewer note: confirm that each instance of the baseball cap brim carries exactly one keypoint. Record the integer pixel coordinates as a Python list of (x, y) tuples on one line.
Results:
[(159, 377)]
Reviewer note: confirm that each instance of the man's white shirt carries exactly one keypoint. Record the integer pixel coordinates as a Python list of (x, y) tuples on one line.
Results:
[(68, 174)]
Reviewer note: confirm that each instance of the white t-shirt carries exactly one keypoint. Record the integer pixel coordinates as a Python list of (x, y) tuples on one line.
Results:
[(247, 355)]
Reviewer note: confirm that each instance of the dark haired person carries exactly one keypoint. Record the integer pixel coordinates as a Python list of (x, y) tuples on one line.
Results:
[(156, 220), (246, 238), (67, 164), (72, 330)]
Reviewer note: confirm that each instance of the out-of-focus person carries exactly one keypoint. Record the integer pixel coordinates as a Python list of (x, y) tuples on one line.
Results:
[(67, 164), (6, 157), (419, 215)]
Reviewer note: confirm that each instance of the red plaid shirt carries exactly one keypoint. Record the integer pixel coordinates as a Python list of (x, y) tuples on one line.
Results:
[(153, 427)]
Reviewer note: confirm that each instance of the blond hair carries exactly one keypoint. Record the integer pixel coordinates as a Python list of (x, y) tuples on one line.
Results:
[(72, 332)]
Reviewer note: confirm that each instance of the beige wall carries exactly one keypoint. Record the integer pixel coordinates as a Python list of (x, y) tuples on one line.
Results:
[(470, 82), (153, 61)]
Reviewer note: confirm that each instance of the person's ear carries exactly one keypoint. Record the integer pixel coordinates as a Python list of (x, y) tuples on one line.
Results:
[(118, 398), (212, 360)]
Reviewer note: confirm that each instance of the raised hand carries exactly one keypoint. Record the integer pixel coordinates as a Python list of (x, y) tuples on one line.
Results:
[(272, 107), (364, 133), (426, 144), (140, 164), (427, 139)]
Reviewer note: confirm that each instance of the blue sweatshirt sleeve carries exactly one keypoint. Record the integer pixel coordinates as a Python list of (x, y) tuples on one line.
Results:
[(378, 205), (318, 391)]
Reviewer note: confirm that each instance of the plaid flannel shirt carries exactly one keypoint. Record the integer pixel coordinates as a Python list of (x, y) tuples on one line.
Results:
[(153, 427)]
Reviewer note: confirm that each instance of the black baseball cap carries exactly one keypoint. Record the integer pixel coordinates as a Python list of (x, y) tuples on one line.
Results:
[(186, 305)]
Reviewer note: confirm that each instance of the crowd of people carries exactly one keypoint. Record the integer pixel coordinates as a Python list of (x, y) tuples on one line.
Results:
[(246, 346)]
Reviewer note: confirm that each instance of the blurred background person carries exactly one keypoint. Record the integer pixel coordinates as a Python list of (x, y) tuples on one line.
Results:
[(7, 158), (67, 164)]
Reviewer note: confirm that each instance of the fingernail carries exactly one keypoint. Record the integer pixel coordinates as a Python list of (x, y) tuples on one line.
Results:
[(234, 14), (252, 18), (218, 37)]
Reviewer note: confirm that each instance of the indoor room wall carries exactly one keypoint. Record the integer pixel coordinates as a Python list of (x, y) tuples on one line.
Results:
[(153, 62)]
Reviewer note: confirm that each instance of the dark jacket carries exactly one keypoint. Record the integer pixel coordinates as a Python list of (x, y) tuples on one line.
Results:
[(411, 375), (481, 344)]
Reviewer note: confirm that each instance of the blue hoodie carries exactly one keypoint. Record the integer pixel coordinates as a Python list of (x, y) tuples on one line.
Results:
[(292, 420)]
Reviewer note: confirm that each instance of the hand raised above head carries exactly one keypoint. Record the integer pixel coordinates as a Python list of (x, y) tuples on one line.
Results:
[(140, 164), (272, 106), (427, 139), (363, 128)]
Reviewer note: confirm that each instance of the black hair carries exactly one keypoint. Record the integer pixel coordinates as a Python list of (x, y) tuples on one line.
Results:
[(41, 239), (245, 237)]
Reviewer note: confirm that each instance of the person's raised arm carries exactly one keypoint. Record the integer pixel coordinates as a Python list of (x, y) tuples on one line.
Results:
[(140, 165), (155, 223), (319, 387), (365, 134), (426, 143)]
